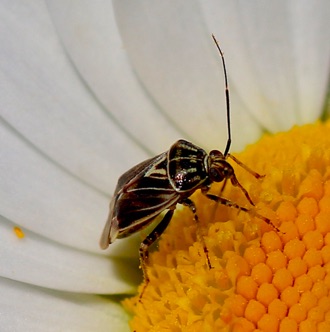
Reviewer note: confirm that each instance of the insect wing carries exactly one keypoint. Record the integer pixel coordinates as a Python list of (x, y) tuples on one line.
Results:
[(135, 172), (144, 197), (111, 228), (141, 194)]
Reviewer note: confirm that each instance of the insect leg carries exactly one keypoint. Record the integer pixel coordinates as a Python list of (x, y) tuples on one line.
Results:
[(229, 203), (192, 207), (235, 183), (148, 241), (238, 162)]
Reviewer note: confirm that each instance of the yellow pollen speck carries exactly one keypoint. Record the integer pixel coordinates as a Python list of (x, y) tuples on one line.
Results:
[(18, 232), (262, 278)]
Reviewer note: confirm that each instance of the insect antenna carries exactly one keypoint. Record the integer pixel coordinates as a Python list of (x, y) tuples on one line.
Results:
[(228, 144), (226, 95), (218, 199), (226, 153)]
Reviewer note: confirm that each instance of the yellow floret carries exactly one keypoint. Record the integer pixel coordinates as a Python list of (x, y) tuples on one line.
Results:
[(262, 278)]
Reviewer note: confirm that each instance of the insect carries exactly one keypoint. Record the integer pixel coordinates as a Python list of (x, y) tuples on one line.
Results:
[(160, 183)]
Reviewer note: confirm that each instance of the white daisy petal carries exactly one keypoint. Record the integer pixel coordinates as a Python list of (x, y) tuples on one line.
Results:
[(43, 198), (174, 55), (279, 56), (91, 38), (28, 308), (39, 261), (44, 99), (57, 144), (311, 32), (265, 48)]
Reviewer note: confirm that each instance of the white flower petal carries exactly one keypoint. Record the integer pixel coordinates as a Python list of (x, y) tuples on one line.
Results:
[(63, 136), (44, 99), (311, 32), (174, 55), (27, 308), (91, 38), (43, 198), (279, 56), (38, 196), (38, 261), (271, 58)]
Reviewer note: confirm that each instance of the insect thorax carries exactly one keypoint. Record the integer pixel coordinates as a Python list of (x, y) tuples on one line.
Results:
[(187, 166)]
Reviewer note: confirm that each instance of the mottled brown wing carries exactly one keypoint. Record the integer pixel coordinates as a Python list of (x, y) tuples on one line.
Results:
[(141, 194), (145, 197)]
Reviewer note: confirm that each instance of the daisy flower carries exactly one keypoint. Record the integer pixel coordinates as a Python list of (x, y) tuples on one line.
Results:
[(90, 89)]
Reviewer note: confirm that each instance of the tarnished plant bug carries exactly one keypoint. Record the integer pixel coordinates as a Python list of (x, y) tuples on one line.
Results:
[(160, 183)]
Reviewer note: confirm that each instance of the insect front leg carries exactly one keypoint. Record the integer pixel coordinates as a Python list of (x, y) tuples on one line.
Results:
[(148, 241), (229, 203), (188, 202), (248, 169)]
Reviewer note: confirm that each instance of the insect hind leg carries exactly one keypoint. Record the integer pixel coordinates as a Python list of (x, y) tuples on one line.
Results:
[(189, 203), (147, 242)]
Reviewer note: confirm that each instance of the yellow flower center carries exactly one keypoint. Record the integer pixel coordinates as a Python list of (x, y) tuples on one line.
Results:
[(261, 278)]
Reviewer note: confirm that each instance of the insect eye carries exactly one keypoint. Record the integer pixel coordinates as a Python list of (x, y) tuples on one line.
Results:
[(215, 174), (227, 172)]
